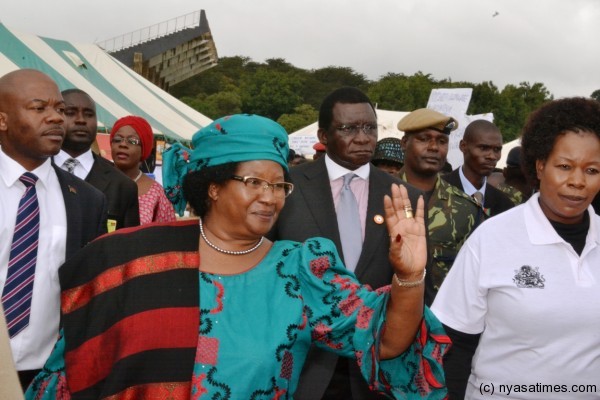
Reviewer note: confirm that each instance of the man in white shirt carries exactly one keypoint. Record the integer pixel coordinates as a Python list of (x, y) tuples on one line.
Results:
[(71, 212)]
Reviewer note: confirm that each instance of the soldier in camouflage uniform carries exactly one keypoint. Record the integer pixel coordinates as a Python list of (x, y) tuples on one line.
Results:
[(452, 214), (497, 180), (513, 194), (515, 178)]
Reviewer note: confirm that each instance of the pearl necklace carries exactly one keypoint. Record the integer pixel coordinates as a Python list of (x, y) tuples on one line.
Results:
[(138, 177), (230, 252)]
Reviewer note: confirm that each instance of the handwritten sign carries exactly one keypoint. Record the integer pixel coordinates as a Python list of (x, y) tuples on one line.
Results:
[(451, 102), (454, 103)]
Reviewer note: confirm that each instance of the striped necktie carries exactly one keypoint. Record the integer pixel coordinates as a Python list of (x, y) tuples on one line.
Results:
[(18, 288), (349, 224)]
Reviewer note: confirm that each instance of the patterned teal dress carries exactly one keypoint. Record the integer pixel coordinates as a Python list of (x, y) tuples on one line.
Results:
[(254, 333)]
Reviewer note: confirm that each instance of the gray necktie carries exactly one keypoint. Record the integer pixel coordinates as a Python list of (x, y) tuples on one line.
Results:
[(349, 224), (478, 196), (70, 165)]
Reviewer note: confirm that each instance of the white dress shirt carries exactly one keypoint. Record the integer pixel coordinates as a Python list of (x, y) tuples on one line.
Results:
[(469, 188), (32, 346), (86, 161)]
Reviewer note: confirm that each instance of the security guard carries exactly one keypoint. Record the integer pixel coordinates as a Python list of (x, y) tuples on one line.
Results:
[(452, 214)]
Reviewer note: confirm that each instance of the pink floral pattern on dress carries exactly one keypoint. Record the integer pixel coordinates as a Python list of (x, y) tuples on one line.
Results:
[(155, 207), (198, 389), (321, 333), (207, 351), (346, 283), (219, 298), (319, 266), (350, 304), (364, 317), (287, 366)]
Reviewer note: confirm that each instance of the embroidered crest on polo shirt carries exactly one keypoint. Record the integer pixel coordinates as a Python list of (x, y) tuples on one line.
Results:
[(529, 277)]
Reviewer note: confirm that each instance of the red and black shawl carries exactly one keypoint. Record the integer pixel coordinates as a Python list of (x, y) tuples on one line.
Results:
[(131, 314)]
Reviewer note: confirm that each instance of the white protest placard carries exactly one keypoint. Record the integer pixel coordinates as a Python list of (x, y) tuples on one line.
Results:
[(451, 102)]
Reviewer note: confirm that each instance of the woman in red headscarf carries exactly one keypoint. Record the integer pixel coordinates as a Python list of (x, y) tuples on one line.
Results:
[(131, 142)]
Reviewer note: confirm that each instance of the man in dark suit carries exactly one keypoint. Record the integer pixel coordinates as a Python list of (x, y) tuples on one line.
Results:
[(81, 126), (348, 129), (481, 146), (67, 214)]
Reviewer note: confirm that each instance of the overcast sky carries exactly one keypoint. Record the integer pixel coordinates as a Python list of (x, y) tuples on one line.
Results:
[(555, 42)]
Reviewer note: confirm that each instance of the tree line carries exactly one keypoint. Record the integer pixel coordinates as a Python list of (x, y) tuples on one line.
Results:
[(292, 95)]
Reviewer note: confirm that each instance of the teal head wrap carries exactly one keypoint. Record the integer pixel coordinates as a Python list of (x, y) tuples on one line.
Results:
[(235, 138)]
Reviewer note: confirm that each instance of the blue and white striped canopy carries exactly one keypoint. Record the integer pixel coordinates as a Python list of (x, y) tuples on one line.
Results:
[(117, 90)]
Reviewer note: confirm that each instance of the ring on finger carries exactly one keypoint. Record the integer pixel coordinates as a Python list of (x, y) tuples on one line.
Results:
[(408, 211)]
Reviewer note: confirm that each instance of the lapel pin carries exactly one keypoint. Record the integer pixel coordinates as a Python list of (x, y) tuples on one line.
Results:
[(72, 189), (378, 219)]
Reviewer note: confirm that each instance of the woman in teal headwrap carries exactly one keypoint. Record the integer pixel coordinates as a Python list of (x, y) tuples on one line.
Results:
[(210, 308)]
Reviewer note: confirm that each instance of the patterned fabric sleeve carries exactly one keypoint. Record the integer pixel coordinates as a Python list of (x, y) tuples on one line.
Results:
[(51, 383), (348, 319)]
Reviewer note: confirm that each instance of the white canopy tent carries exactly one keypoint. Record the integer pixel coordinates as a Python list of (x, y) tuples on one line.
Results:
[(505, 149)]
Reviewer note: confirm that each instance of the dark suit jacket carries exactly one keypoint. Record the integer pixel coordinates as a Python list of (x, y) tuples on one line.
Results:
[(120, 191), (310, 212), (494, 199), (86, 211)]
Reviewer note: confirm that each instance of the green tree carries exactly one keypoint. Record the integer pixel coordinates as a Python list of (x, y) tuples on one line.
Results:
[(340, 76), (420, 85), (194, 102), (484, 98), (392, 92), (270, 93), (515, 104), (229, 71), (281, 91), (318, 83), (596, 95), (216, 105), (223, 103), (403, 93), (279, 64), (302, 116)]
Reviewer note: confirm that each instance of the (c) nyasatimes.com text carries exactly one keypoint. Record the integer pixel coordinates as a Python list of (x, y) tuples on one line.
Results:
[(490, 388)]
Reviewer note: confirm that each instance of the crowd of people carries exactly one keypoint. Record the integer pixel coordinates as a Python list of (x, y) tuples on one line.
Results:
[(296, 278)]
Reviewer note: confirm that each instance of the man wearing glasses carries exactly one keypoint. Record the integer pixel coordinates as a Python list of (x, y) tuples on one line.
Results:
[(76, 156), (340, 197)]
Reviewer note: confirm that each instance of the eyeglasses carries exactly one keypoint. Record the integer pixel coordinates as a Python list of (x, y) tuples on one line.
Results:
[(352, 130), (280, 189), (131, 140)]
